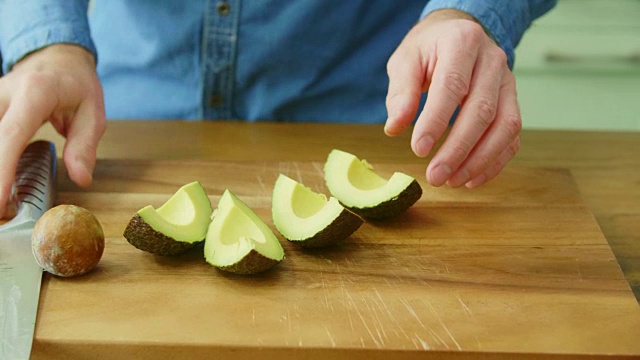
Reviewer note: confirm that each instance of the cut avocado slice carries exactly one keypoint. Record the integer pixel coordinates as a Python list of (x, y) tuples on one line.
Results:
[(307, 218), (354, 183), (176, 226), (238, 240)]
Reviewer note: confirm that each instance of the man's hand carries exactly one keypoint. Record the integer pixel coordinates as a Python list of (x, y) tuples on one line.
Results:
[(449, 55), (57, 84)]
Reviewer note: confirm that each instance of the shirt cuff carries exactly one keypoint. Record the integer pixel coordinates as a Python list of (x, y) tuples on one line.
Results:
[(505, 22), (29, 25)]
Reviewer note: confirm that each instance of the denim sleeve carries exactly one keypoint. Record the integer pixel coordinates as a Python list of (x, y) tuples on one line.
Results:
[(29, 25), (506, 21)]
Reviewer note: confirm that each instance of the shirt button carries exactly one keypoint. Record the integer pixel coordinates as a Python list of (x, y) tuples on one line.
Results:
[(223, 8), (215, 100)]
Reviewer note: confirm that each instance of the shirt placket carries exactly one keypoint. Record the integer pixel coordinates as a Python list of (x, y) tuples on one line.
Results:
[(219, 38)]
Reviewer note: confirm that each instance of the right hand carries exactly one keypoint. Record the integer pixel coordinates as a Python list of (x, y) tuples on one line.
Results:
[(58, 84)]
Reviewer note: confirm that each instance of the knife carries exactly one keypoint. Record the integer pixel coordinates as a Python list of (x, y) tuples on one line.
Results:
[(33, 192)]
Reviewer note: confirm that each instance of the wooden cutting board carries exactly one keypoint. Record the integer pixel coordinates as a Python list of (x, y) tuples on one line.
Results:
[(517, 268)]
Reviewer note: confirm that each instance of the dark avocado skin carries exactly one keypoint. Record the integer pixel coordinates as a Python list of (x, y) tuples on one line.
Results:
[(392, 207), (341, 228), (252, 263), (141, 235)]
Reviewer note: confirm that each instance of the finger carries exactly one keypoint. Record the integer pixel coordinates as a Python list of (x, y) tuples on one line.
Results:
[(6, 177), (501, 134), (497, 166), (476, 115), (83, 135), (406, 77), (449, 85), (21, 120)]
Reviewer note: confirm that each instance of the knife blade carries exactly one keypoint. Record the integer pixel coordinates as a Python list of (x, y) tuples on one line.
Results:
[(20, 275)]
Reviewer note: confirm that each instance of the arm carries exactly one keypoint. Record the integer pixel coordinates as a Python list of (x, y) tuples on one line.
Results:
[(452, 54), (49, 62)]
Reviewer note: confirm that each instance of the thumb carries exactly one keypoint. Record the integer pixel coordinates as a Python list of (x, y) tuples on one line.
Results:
[(85, 131)]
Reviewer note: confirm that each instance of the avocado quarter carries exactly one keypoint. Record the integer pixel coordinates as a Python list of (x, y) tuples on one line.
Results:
[(358, 187), (308, 218), (176, 226), (238, 241)]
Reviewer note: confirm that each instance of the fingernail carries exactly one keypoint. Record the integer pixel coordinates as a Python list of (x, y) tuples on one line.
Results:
[(88, 172), (440, 174), (424, 146), (461, 177), (83, 175), (386, 128), (476, 182)]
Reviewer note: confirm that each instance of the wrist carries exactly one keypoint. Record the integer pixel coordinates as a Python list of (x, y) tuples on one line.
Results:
[(71, 53), (454, 14), (448, 14)]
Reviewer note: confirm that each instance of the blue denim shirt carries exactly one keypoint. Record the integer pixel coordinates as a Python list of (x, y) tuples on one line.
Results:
[(280, 60)]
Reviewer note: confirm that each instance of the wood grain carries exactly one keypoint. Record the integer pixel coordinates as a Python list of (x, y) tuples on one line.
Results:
[(519, 266), (605, 165), (516, 269)]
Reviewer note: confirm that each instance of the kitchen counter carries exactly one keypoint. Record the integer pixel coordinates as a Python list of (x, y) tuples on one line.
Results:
[(592, 174)]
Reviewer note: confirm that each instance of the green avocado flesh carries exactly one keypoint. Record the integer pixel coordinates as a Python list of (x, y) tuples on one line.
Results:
[(358, 187), (307, 218), (174, 227), (238, 240)]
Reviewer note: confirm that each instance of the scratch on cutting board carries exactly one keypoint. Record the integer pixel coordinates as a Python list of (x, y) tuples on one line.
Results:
[(327, 302), (578, 269), (319, 169), (397, 276), (382, 307), (364, 322), (443, 325), (421, 280), (296, 308), (412, 312), (463, 304), (261, 182), (344, 292), (391, 284), (424, 344), (478, 341), (333, 341), (288, 317), (390, 314), (298, 172), (379, 326), (283, 167), (435, 335), (253, 316)]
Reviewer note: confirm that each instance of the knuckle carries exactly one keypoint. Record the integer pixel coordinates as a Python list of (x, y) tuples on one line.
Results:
[(457, 84), (514, 147), (460, 150), (38, 80), (483, 162), (441, 118), (100, 126), (472, 32), (499, 56), (513, 124), (485, 109), (498, 166), (11, 129)]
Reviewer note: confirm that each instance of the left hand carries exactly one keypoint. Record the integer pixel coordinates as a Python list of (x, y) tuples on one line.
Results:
[(449, 55)]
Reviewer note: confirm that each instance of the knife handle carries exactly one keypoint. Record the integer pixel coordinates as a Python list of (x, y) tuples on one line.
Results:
[(34, 185)]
